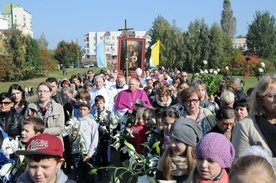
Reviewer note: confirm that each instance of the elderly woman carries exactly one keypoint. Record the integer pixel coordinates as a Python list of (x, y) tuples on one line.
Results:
[(163, 99), (260, 127), (10, 120), (225, 118), (190, 100), (48, 110), (227, 99), (20, 104)]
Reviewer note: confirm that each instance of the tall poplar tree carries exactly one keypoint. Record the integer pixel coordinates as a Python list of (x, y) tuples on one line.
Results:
[(228, 21)]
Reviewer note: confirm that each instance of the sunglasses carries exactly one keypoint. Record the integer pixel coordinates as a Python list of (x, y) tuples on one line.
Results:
[(228, 124), (5, 103)]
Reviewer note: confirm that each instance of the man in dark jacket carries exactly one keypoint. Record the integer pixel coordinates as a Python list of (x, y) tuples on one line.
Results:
[(68, 109)]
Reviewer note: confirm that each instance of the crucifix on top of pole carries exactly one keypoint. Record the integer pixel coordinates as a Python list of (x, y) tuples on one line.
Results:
[(125, 36)]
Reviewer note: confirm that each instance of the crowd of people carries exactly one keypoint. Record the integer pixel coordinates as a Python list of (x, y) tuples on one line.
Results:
[(204, 137)]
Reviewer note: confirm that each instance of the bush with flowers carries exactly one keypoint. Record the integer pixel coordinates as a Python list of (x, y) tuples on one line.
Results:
[(260, 70), (210, 78)]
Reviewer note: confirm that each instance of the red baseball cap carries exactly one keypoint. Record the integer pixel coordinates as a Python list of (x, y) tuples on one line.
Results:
[(43, 144)]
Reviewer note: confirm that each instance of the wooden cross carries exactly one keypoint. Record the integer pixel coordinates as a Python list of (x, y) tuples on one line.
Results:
[(125, 35)]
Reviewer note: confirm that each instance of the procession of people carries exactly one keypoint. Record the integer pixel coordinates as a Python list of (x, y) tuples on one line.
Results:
[(200, 135)]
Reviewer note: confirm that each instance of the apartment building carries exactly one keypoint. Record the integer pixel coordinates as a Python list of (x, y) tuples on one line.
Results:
[(18, 17), (91, 39), (239, 43), (14, 16)]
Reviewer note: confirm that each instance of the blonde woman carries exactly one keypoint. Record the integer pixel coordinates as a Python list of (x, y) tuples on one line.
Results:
[(260, 127)]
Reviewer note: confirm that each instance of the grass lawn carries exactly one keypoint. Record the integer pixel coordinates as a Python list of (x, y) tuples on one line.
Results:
[(4, 86)]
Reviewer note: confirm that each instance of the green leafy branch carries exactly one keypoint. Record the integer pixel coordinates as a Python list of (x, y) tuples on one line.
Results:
[(137, 165)]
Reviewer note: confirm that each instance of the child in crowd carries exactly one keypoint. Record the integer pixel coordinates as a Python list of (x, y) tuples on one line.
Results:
[(149, 121), (32, 126), (254, 165), (214, 154), (179, 160), (85, 142), (106, 124), (5, 151), (81, 96), (170, 114), (138, 131), (67, 90), (44, 158)]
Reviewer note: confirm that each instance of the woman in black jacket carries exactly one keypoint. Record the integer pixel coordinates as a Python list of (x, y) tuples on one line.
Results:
[(10, 120), (19, 95)]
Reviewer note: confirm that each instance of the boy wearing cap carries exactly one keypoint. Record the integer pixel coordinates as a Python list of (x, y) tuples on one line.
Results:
[(44, 154), (86, 140)]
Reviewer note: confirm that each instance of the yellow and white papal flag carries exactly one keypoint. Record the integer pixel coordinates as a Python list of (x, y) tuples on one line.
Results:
[(155, 51)]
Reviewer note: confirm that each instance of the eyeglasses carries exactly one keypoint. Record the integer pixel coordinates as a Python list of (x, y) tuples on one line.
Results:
[(192, 101), (5, 103), (44, 91), (228, 124)]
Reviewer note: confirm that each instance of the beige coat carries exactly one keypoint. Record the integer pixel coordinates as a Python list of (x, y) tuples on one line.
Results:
[(55, 120), (247, 133)]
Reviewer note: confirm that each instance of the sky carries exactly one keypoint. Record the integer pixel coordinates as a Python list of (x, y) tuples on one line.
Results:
[(70, 20)]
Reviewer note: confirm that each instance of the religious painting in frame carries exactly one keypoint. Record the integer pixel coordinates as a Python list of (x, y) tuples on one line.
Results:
[(134, 51)]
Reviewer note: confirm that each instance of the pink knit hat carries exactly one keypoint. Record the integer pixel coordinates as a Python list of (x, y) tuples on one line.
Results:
[(217, 147)]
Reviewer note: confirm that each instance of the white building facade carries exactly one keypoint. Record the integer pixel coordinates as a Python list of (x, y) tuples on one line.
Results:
[(239, 43), (91, 39), (19, 17)]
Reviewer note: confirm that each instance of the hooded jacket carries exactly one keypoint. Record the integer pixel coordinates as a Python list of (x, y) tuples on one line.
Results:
[(61, 178)]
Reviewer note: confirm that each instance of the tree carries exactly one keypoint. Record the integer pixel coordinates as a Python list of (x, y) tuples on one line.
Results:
[(16, 47), (32, 59), (193, 46), (261, 36), (67, 53), (4, 68), (217, 54), (204, 41), (228, 21), (161, 30), (48, 64), (42, 41)]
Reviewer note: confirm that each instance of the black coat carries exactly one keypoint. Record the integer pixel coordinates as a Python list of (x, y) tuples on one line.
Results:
[(11, 122)]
